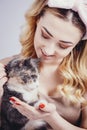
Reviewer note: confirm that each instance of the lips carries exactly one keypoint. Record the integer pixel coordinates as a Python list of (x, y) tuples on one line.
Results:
[(45, 56), (44, 53)]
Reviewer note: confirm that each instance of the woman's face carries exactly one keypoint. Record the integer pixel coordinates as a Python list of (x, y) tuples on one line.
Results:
[(55, 38)]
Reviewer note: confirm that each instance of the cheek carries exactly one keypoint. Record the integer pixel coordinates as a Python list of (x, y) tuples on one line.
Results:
[(37, 39), (37, 44), (64, 53)]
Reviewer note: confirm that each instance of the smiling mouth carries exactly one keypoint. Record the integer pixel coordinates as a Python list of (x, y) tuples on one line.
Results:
[(46, 55)]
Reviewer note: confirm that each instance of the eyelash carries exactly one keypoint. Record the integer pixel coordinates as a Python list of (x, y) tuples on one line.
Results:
[(44, 35), (62, 46)]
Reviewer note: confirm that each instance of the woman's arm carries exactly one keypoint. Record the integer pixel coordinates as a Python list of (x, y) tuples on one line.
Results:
[(3, 79), (47, 113), (58, 123)]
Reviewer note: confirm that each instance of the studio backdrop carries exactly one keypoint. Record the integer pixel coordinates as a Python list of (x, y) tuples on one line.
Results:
[(11, 19)]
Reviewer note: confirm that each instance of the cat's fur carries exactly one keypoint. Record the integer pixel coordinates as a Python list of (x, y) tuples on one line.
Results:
[(22, 83)]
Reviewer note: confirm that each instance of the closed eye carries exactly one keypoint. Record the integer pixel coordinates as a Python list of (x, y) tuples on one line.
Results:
[(44, 35), (64, 45)]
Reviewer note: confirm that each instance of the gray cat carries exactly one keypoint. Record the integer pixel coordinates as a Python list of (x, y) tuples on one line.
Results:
[(22, 83)]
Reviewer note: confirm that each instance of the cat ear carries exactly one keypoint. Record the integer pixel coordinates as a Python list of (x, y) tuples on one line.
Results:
[(12, 63), (35, 61)]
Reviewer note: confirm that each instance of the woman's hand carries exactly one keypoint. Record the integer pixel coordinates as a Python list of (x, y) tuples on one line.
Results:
[(3, 78), (41, 110)]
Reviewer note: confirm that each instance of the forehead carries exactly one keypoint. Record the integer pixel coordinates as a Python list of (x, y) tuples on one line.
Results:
[(59, 27)]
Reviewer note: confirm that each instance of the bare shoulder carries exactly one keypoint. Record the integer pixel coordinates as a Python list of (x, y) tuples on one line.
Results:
[(7, 59)]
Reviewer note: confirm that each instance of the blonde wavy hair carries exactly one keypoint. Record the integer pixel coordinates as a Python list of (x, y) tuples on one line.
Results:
[(74, 66)]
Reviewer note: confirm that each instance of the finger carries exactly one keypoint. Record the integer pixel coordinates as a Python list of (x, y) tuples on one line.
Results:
[(15, 101), (3, 81), (2, 74), (2, 65), (2, 69), (22, 107), (40, 104), (45, 106), (18, 102), (48, 107)]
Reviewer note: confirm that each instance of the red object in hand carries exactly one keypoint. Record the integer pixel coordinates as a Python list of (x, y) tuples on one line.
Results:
[(41, 105), (12, 99)]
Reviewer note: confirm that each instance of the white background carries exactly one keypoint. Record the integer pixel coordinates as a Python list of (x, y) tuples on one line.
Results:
[(11, 19)]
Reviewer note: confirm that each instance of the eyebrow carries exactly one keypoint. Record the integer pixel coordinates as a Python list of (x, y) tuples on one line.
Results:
[(47, 31), (68, 42)]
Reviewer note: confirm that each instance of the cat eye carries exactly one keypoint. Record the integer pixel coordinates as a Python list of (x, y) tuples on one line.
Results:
[(34, 76)]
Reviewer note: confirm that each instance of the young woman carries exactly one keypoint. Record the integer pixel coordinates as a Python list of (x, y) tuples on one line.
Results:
[(56, 32)]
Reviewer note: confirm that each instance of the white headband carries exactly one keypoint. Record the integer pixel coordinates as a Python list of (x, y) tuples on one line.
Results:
[(79, 6)]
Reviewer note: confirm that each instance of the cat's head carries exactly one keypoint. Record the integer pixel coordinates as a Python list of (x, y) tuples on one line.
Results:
[(24, 70)]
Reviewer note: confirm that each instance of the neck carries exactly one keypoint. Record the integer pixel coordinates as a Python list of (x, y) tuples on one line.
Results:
[(48, 68)]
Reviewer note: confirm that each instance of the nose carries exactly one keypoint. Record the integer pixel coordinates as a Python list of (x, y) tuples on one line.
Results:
[(49, 50)]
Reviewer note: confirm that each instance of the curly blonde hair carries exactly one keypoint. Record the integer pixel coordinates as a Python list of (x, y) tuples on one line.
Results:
[(74, 66)]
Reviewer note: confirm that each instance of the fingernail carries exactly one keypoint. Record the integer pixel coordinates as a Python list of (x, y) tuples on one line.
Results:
[(41, 105), (17, 103), (12, 99)]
